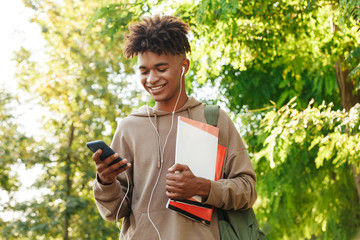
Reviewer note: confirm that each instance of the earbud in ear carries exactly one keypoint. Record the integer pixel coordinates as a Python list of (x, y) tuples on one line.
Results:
[(183, 69)]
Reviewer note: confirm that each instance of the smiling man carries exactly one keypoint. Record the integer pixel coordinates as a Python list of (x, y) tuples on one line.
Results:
[(146, 140)]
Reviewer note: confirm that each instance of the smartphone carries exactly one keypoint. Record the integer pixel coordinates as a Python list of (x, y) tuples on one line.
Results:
[(106, 151)]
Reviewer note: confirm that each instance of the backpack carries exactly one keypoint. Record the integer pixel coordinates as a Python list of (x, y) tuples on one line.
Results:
[(234, 224)]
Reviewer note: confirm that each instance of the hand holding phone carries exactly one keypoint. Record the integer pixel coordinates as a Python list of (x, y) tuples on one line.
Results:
[(106, 151)]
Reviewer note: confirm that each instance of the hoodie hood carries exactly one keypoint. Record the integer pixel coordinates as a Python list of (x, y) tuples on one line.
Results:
[(145, 111)]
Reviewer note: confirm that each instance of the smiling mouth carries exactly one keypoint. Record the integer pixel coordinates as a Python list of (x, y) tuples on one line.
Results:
[(157, 87)]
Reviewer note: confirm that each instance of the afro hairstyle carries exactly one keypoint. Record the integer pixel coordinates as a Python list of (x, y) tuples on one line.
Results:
[(161, 35)]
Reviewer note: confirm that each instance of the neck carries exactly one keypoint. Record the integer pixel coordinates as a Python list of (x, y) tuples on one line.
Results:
[(169, 107)]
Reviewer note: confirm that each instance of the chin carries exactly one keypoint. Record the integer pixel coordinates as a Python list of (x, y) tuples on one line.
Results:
[(158, 99)]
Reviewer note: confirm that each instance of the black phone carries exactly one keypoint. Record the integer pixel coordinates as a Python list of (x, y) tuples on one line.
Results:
[(106, 151)]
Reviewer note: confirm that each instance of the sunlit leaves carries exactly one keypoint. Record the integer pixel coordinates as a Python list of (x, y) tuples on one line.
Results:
[(287, 46), (350, 11), (306, 171), (256, 52), (83, 88), (290, 47), (330, 131), (14, 143)]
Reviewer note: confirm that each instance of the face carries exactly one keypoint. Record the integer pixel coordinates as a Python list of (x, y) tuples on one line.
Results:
[(160, 75)]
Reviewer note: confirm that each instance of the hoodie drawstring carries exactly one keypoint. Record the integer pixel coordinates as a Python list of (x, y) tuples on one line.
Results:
[(159, 143), (157, 129), (189, 112)]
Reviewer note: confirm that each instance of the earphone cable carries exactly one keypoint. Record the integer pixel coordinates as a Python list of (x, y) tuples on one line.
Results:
[(118, 211), (162, 151)]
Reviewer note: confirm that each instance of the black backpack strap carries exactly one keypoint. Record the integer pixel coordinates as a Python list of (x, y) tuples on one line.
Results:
[(211, 113)]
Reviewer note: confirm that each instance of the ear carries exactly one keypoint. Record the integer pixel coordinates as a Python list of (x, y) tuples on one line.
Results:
[(186, 65)]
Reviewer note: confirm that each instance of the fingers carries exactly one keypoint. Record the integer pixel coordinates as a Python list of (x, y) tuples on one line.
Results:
[(173, 187), (177, 167), (172, 178), (110, 159), (180, 182), (178, 173), (176, 190), (173, 195), (107, 161), (118, 167), (108, 173), (96, 156), (175, 183)]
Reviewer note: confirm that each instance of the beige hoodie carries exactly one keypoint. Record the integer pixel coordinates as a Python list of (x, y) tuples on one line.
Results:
[(136, 140)]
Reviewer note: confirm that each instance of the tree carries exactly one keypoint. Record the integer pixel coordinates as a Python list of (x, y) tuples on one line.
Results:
[(84, 87), (16, 148), (308, 189), (274, 50), (256, 52), (9, 139), (259, 52)]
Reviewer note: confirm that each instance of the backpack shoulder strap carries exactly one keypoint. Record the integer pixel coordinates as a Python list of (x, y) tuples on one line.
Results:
[(211, 113)]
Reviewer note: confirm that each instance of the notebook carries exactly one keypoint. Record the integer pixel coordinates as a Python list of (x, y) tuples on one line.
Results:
[(197, 146)]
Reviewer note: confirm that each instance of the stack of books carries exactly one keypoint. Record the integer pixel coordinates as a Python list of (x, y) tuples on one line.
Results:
[(197, 146)]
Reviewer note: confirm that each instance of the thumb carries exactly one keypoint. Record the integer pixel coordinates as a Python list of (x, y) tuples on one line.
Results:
[(178, 167)]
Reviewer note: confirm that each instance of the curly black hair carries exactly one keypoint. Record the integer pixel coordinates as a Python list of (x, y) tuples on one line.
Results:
[(161, 35)]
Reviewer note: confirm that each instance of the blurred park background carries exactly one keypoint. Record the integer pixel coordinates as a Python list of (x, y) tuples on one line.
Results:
[(287, 71)]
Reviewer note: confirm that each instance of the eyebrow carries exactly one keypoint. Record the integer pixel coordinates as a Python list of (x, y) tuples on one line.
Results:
[(156, 65)]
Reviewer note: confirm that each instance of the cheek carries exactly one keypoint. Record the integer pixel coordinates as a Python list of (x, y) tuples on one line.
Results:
[(170, 77), (142, 81)]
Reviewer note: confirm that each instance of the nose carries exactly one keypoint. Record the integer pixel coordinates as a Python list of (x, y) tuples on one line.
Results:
[(152, 78)]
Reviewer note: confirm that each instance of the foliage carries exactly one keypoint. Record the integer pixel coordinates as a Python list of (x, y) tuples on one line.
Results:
[(265, 50), (9, 137), (254, 52), (350, 10), (84, 87), (15, 144), (350, 17), (16, 148), (306, 175)]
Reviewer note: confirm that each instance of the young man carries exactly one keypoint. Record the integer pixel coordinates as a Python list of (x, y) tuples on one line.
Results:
[(146, 140)]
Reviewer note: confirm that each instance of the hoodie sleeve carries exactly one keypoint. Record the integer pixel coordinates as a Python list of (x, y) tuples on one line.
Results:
[(108, 198), (236, 189)]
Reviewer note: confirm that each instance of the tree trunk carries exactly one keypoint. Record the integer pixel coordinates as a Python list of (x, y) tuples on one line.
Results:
[(349, 97), (68, 181), (347, 88)]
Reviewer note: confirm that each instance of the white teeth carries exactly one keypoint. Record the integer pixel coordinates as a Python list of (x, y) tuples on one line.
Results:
[(156, 88)]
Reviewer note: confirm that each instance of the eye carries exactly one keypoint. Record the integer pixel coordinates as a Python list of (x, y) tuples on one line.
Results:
[(162, 70), (144, 72)]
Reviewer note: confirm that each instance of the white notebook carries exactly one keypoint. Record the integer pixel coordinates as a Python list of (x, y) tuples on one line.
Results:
[(196, 146)]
